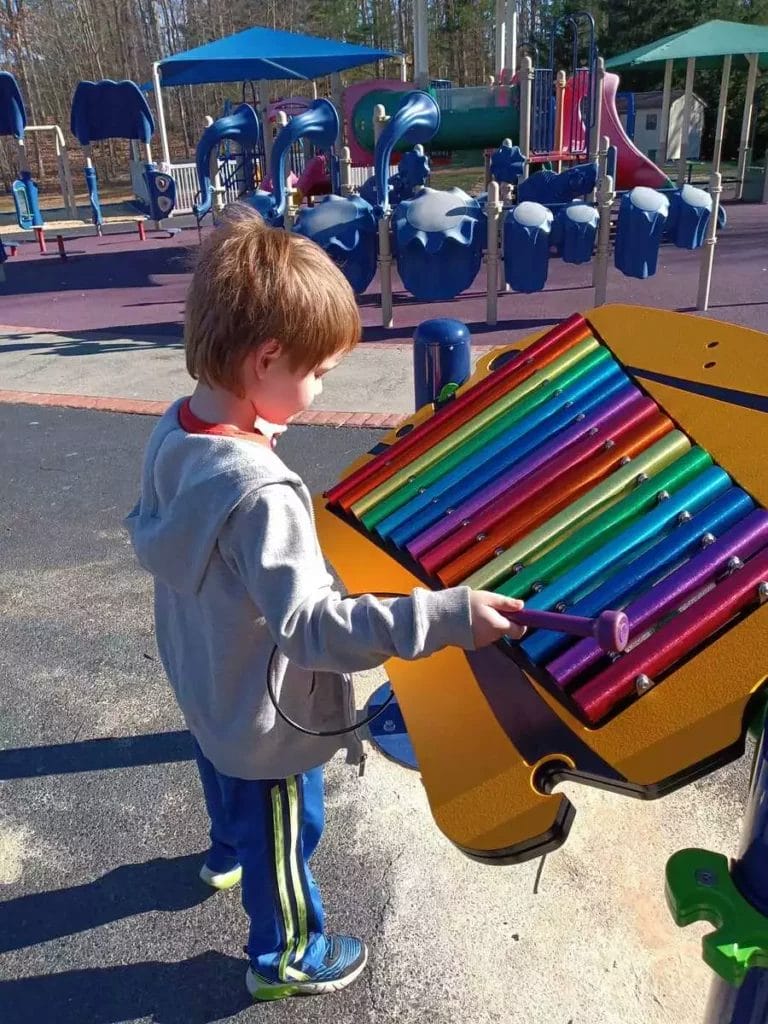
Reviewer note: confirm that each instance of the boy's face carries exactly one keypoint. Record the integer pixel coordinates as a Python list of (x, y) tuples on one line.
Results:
[(279, 392)]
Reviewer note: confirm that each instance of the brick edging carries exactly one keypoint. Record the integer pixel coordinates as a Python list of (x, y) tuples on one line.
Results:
[(142, 407)]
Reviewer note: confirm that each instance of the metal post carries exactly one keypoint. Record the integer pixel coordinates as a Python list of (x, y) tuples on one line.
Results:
[(266, 128), (708, 249), (493, 213), (594, 135), (690, 71), (665, 103), (560, 84), (511, 38), (166, 165), (337, 95), (345, 175), (606, 197), (500, 36), (526, 97), (746, 124), (721, 108), (385, 269), (420, 44)]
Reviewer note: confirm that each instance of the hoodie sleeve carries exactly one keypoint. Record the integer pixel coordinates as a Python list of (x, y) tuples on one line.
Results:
[(270, 539)]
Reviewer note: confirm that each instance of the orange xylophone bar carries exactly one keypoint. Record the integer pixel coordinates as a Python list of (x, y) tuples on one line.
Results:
[(426, 434), (673, 640), (464, 552)]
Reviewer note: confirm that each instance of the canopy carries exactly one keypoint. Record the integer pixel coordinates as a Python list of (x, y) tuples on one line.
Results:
[(708, 43), (259, 53)]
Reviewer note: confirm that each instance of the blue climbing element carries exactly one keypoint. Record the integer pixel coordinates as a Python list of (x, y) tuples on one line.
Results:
[(241, 126), (642, 217), (507, 163), (416, 120), (689, 212), (550, 189), (346, 230), (576, 232), (527, 230), (13, 116), (162, 192), (110, 110), (438, 239), (320, 124), (412, 173)]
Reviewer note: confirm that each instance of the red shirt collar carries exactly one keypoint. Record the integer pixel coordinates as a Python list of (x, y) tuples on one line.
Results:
[(192, 424)]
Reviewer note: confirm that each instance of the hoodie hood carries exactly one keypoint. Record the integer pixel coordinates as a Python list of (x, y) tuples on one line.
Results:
[(191, 484)]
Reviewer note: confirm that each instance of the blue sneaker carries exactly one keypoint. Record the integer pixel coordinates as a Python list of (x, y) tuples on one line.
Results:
[(344, 961)]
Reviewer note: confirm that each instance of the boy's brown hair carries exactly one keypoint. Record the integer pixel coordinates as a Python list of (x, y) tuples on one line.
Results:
[(252, 283)]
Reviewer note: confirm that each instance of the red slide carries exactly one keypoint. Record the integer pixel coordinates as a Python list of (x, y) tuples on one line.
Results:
[(632, 166)]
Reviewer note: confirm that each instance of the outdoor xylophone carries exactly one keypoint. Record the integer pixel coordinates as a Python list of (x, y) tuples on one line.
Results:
[(615, 463)]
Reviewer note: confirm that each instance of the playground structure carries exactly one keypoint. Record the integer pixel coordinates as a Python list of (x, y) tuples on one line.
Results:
[(556, 475), (13, 122)]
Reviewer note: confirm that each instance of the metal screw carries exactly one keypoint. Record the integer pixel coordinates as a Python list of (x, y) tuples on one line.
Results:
[(580, 417), (481, 536), (625, 460), (708, 878), (517, 567), (662, 496), (568, 404), (592, 431), (643, 683), (684, 517), (560, 606), (641, 478), (465, 522), (609, 444), (448, 511), (537, 587), (762, 591), (734, 563), (498, 551), (421, 490), (557, 391), (707, 539)]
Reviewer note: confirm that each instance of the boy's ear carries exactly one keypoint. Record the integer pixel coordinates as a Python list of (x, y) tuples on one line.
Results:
[(263, 357)]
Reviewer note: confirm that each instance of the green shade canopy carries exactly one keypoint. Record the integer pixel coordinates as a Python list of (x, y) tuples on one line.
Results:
[(708, 43)]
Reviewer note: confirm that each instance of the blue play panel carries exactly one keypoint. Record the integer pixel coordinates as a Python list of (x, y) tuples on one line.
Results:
[(388, 732)]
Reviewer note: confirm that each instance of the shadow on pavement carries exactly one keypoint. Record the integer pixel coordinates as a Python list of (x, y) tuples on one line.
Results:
[(165, 883), (96, 755), (205, 988)]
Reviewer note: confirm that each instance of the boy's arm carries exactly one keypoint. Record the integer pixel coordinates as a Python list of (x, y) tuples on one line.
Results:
[(271, 541)]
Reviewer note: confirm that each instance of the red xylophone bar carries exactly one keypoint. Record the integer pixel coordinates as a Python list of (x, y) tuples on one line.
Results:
[(461, 410), (672, 641), (455, 561)]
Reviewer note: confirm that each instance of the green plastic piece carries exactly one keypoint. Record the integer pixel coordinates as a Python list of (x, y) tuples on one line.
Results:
[(447, 391), (759, 718), (700, 888)]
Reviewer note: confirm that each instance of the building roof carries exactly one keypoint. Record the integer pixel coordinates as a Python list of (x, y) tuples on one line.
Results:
[(652, 100)]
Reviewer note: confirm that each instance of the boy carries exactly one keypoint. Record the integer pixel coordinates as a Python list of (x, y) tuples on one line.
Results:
[(226, 529)]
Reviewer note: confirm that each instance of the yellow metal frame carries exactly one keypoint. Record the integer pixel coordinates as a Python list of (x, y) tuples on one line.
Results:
[(469, 715)]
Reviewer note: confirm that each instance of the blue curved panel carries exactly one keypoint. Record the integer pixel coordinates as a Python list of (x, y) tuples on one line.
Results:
[(417, 119), (242, 126), (319, 124), (110, 110), (13, 117), (346, 230), (438, 241)]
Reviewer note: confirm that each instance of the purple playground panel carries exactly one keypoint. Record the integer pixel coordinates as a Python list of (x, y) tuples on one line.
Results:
[(119, 283)]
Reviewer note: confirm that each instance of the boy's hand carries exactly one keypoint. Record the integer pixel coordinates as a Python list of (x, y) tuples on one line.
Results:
[(489, 617)]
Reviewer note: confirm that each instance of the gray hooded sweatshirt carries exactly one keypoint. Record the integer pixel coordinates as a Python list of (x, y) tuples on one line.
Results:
[(228, 533)]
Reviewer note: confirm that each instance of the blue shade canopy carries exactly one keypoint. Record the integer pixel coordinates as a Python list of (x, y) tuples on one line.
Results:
[(110, 110), (13, 118), (264, 53)]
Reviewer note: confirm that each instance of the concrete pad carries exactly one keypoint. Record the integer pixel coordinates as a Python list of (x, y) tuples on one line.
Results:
[(102, 825)]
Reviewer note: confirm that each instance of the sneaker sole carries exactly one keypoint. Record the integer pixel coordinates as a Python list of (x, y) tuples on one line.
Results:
[(222, 881), (262, 991)]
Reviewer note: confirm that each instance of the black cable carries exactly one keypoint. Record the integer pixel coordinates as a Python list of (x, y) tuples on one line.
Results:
[(325, 732)]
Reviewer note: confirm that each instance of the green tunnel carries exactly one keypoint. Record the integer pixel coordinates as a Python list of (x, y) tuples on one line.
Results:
[(478, 128)]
